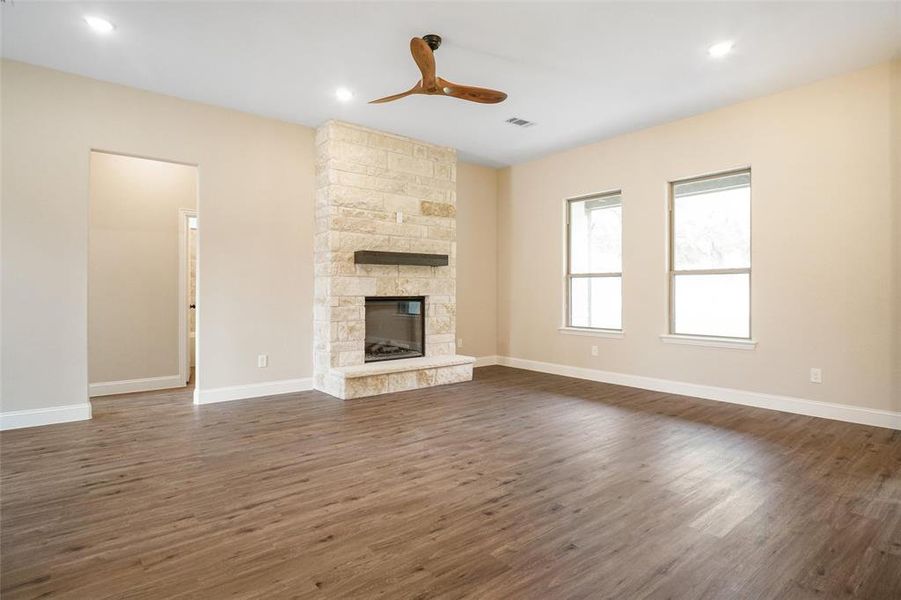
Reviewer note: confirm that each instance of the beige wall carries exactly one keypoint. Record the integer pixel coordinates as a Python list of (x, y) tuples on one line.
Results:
[(477, 259), (255, 197), (825, 238), (823, 232), (255, 278), (133, 265)]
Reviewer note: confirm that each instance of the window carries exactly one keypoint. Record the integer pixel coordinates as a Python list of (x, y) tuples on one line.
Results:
[(594, 277), (710, 256)]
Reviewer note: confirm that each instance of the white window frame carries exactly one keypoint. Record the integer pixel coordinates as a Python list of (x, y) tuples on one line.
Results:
[(748, 342), (568, 327)]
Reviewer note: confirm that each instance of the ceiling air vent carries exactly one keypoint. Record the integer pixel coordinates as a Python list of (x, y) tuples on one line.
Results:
[(520, 122)]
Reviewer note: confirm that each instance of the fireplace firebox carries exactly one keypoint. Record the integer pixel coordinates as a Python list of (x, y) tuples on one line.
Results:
[(395, 328)]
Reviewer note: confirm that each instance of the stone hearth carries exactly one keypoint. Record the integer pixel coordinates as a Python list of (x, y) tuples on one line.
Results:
[(399, 375), (377, 191)]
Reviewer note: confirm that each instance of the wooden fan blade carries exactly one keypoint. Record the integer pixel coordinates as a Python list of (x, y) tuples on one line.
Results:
[(416, 89), (471, 93), (425, 60)]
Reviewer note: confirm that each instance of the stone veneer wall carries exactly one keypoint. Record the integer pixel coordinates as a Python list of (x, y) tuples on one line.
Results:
[(363, 179)]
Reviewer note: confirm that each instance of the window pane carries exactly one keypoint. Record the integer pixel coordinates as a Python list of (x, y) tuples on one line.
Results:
[(606, 302), (596, 302), (716, 305), (712, 223), (596, 235), (579, 302)]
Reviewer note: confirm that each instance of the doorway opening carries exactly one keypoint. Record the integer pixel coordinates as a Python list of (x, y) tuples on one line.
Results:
[(142, 274), (187, 262)]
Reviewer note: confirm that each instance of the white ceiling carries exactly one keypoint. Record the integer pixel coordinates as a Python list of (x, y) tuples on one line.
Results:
[(582, 71)]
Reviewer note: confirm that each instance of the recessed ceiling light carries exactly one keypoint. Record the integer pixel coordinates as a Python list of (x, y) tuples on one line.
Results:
[(99, 25), (720, 49), (343, 94)]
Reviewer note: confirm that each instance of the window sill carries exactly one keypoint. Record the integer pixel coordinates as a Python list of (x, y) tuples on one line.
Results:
[(710, 342), (601, 333)]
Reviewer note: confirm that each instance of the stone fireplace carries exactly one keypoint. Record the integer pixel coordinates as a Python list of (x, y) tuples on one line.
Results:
[(385, 252)]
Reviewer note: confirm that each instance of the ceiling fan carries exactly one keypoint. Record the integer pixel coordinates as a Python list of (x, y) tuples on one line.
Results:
[(423, 50)]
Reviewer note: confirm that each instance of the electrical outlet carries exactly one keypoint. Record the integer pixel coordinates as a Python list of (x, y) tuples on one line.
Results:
[(400, 216), (594, 350), (262, 360), (459, 342), (816, 375)]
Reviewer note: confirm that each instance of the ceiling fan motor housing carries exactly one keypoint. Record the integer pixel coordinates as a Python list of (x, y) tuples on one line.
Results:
[(433, 40)]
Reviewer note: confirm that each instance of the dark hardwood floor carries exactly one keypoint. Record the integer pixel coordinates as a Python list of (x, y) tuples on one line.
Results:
[(517, 485)]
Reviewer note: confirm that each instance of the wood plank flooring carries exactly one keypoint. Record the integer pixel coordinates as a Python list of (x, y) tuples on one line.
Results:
[(516, 485)]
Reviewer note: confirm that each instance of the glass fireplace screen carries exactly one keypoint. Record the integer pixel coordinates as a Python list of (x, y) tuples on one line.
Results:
[(395, 328)]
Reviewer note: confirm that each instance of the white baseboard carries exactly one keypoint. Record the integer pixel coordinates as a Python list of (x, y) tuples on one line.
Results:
[(801, 406), (485, 361), (17, 419), (253, 390), (127, 386)]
